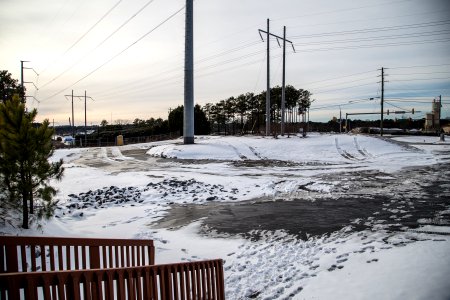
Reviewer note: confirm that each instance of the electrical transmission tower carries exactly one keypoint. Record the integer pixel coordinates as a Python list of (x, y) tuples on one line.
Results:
[(283, 89), (85, 114), (22, 82), (382, 101)]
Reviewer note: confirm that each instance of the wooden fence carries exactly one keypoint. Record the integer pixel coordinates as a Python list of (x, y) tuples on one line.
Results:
[(79, 268), (31, 254), (193, 280)]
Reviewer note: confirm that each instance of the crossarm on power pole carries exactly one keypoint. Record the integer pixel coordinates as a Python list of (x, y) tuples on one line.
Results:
[(278, 38), (275, 36), (73, 116)]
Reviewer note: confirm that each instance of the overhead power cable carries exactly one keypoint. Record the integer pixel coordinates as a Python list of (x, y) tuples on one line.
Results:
[(374, 45), (344, 88), (343, 104), (342, 83), (92, 27), (396, 106), (377, 29), (334, 78), (365, 19), (87, 32), (418, 73), (341, 10), (98, 45), (119, 53), (378, 38), (419, 79), (420, 66)]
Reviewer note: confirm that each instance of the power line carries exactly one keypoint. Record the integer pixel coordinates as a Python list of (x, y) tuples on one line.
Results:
[(342, 83), (393, 105), (92, 27), (344, 88), (341, 10), (365, 20), (200, 72), (378, 38), (87, 32), (342, 104), (351, 75), (376, 29), (419, 79), (115, 56), (420, 66), (417, 73), (375, 45), (247, 45), (101, 43)]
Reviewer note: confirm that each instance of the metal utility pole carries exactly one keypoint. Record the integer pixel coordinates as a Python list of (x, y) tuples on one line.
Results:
[(340, 119), (346, 123), (85, 120), (268, 81), (85, 117), (85, 114), (283, 89), (188, 128), (382, 101), (22, 82), (21, 77), (73, 119)]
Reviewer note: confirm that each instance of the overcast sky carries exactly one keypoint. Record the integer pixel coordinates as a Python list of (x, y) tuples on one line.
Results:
[(128, 55)]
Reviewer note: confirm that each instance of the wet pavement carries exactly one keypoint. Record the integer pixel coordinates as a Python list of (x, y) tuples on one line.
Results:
[(362, 199)]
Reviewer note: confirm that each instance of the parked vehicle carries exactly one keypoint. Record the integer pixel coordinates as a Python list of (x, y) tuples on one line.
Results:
[(68, 140)]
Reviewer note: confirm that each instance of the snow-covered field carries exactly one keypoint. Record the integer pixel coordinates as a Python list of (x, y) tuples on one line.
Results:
[(216, 199)]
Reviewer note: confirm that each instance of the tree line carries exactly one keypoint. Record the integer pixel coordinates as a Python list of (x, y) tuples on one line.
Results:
[(246, 113), (235, 115)]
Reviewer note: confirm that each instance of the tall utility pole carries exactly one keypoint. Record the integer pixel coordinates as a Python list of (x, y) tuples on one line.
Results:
[(85, 117), (85, 120), (73, 116), (283, 89), (188, 128), (22, 82), (268, 80), (21, 77), (382, 101), (340, 119), (73, 119)]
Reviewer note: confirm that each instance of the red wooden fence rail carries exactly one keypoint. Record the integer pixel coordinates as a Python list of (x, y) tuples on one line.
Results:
[(25, 254), (193, 280)]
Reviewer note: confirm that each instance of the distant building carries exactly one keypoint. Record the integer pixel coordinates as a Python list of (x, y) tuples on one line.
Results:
[(432, 120)]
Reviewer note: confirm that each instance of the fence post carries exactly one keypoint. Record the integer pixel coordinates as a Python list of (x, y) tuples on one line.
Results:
[(94, 263), (12, 264)]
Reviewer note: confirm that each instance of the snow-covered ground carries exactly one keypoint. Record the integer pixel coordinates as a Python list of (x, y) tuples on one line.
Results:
[(180, 195)]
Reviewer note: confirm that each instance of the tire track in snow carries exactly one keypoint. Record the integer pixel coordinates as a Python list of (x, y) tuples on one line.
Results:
[(363, 151), (344, 153), (235, 149)]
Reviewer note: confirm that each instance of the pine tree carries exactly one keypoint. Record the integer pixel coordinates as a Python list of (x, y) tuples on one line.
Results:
[(25, 149)]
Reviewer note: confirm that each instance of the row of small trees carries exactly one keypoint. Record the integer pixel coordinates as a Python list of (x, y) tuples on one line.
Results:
[(25, 149), (248, 110)]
